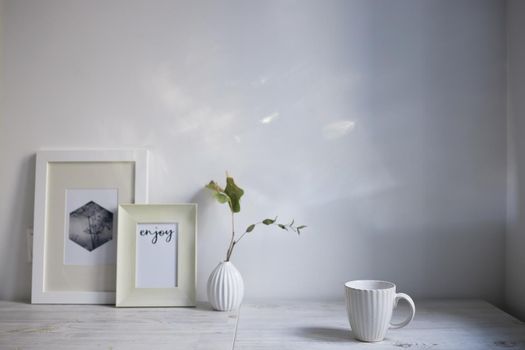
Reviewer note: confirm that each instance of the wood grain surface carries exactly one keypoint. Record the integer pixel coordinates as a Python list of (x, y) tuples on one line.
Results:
[(440, 324)]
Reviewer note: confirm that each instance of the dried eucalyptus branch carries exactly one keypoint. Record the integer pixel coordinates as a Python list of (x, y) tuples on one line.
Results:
[(232, 194), (267, 222)]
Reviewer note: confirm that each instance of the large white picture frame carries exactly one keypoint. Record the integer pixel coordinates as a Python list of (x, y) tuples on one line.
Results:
[(147, 274), (66, 180)]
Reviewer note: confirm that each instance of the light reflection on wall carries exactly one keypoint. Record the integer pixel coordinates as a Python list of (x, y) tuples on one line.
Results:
[(338, 129)]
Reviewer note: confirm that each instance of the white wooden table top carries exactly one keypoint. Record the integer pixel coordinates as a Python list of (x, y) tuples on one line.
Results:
[(57, 327), (452, 324)]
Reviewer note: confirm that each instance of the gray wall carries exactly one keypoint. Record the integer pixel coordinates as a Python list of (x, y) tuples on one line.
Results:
[(385, 130), (515, 252)]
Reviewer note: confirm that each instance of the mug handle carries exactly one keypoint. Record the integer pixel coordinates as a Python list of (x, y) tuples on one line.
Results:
[(402, 324)]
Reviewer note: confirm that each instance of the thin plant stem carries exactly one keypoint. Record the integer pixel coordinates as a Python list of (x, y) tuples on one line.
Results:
[(245, 232), (232, 241)]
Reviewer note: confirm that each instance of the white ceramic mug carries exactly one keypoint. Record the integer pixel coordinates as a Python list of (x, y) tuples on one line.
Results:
[(370, 304)]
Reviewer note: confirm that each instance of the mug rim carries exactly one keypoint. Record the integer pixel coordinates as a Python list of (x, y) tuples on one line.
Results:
[(354, 284)]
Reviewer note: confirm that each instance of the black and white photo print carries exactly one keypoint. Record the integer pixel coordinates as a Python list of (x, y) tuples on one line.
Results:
[(90, 226)]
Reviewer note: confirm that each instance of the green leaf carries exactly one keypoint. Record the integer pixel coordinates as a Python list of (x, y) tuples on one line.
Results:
[(301, 227), (221, 197), (234, 193), (283, 227), (250, 228), (218, 192), (268, 221), (214, 187)]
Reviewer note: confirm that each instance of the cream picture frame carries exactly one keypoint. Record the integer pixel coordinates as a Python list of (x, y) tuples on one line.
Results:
[(133, 216), (124, 173)]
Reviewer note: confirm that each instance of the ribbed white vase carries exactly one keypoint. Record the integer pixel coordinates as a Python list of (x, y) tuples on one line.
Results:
[(225, 287)]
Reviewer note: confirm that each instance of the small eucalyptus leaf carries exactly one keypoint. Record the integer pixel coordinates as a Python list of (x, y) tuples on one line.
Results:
[(250, 228), (268, 221), (283, 227), (301, 227)]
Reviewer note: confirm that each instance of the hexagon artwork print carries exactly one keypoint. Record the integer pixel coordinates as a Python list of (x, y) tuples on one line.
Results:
[(90, 226)]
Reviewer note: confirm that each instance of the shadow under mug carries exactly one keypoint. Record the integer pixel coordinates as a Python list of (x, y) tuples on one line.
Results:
[(370, 304)]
